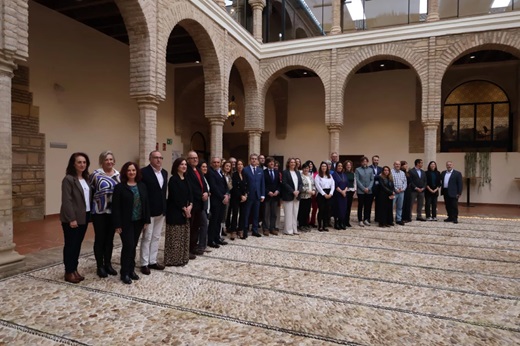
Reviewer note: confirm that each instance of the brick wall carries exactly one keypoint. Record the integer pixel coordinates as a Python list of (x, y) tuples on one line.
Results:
[(28, 152)]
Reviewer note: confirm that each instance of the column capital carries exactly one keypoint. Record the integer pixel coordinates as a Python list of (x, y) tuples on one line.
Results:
[(431, 123), (433, 11), (257, 3), (7, 66), (336, 18), (147, 101), (216, 119), (334, 127)]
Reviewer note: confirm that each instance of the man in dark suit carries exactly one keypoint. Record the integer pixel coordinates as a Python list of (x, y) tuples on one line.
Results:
[(451, 182), (334, 158), (272, 197), (218, 199), (255, 195), (156, 180), (377, 170), (418, 184), (199, 192)]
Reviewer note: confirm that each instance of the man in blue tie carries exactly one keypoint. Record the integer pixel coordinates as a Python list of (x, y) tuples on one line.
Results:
[(255, 195)]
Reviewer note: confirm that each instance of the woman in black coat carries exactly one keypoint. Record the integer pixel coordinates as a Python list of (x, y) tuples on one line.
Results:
[(178, 212), (292, 184), (433, 187), (407, 215), (238, 199), (384, 199), (131, 215)]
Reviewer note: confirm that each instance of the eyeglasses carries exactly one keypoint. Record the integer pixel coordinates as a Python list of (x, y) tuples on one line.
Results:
[(157, 157)]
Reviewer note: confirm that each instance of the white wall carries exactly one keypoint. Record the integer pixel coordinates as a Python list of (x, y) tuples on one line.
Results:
[(80, 81)]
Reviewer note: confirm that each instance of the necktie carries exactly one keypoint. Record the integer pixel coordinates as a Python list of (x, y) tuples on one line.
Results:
[(272, 175), (254, 170)]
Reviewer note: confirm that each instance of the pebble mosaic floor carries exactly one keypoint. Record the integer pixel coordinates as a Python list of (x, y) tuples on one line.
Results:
[(426, 283)]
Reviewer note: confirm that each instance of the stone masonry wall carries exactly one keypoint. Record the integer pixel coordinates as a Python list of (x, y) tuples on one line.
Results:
[(28, 152)]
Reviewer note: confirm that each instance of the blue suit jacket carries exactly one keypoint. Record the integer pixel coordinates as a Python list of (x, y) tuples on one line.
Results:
[(256, 181), (454, 184)]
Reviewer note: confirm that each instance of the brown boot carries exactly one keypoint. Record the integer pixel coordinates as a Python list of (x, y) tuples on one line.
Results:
[(274, 232), (232, 235), (71, 277), (266, 233), (79, 276)]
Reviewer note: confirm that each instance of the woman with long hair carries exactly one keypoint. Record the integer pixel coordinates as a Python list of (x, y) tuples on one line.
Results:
[(433, 187), (178, 212), (351, 189), (291, 187), (103, 181), (325, 187), (340, 197), (407, 215), (238, 200), (131, 215), (226, 216), (384, 198), (313, 171), (203, 230), (74, 213)]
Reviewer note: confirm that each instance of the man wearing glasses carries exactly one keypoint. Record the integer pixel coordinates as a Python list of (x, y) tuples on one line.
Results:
[(156, 180)]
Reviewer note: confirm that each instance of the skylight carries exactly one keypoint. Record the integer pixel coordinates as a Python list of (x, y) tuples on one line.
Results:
[(355, 8), (500, 3)]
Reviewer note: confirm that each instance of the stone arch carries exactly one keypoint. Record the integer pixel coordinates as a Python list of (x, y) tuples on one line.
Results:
[(206, 36), (276, 68), (497, 40), (398, 52), (142, 49), (249, 81)]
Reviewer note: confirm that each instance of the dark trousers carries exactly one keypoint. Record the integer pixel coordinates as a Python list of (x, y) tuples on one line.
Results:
[(364, 206), (303, 212), (130, 237), (452, 207), (431, 204), (252, 208), (350, 198), (104, 238), (73, 237), (324, 206), (271, 213), (215, 220), (237, 209), (196, 215)]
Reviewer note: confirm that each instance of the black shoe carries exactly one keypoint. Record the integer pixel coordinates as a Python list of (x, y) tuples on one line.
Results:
[(134, 276), (126, 279), (325, 229), (256, 234), (110, 270), (349, 225), (192, 256), (448, 220), (455, 221), (156, 266), (199, 252), (145, 270), (214, 245), (101, 272), (421, 219), (222, 242), (400, 223)]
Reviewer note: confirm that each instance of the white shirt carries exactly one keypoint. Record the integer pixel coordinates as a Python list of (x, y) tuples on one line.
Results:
[(324, 183), (447, 178), (294, 179), (86, 193), (159, 176)]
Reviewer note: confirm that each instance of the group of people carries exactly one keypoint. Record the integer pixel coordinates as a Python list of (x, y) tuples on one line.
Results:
[(200, 203)]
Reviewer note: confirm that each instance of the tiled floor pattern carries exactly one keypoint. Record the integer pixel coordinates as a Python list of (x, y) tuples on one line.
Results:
[(427, 283)]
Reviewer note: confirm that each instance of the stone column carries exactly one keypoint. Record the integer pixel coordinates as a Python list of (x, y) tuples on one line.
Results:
[(336, 17), (430, 140), (255, 141), (9, 258), (334, 138), (147, 127), (258, 7), (217, 135), (433, 11)]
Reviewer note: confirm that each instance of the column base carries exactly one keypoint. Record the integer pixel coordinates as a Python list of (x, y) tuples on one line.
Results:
[(10, 259)]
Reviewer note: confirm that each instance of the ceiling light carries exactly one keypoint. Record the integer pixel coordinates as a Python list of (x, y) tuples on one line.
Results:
[(304, 72), (197, 62), (472, 57), (382, 65)]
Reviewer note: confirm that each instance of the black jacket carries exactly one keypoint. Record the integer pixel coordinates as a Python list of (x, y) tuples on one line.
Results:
[(218, 186), (123, 205), (270, 185), (156, 194), (240, 187), (196, 190), (288, 185), (179, 196)]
